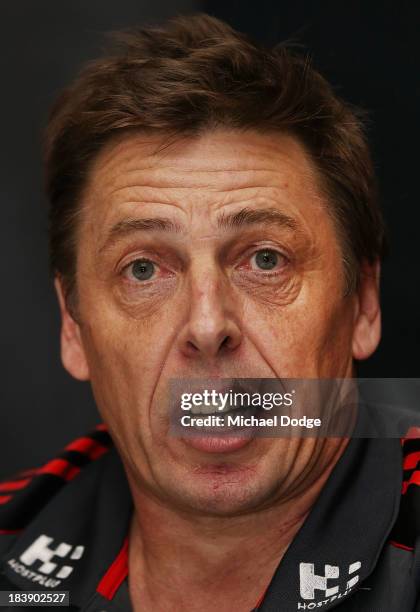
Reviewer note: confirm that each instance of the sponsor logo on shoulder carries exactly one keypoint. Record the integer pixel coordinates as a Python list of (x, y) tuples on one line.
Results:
[(43, 564), (318, 590)]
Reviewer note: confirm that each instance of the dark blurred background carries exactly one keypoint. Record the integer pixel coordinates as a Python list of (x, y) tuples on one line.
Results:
[(370, 51)]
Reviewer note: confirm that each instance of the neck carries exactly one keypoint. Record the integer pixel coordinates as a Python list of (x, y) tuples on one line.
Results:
[(181, 560)]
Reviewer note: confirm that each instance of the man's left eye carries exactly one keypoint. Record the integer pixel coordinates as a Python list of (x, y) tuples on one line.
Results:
[(267, 259)]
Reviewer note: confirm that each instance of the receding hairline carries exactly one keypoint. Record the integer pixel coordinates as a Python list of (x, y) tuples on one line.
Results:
[(156, 146)]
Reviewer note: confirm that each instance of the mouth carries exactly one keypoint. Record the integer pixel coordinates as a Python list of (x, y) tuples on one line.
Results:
[(207, 430)]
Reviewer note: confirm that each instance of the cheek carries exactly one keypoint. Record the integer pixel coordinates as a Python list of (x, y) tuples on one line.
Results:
[(310, 337), (125, 354)]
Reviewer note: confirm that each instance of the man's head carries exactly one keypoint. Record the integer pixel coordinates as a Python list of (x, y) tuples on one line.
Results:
[(213, 214)]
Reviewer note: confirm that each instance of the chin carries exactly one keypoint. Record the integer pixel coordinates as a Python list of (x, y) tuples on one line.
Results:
[(219, 491)]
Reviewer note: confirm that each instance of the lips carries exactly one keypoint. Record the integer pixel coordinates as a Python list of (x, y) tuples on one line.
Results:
[(217, 444)]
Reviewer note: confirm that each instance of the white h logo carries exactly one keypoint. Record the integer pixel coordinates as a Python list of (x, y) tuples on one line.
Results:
[(40, 551), (310, 582)]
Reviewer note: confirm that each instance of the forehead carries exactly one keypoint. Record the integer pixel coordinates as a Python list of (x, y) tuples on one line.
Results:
[(200, 176)]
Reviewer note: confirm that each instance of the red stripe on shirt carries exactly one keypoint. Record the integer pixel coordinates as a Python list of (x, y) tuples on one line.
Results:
[(115, 575), (411, 461), (14, 485), (87, 446), (5, 498), (413, 480), (60, 467), (403, 546)]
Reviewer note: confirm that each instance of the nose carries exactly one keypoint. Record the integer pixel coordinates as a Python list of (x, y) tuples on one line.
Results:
[(212, 328)]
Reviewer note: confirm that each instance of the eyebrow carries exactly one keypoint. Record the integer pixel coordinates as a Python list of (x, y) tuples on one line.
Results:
[(244, 218), (250, 216), (130, 226)]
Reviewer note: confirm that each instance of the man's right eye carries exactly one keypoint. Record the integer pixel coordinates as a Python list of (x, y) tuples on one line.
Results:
[(142, 269)]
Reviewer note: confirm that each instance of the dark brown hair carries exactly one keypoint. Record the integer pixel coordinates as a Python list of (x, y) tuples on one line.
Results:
[(195, 74)]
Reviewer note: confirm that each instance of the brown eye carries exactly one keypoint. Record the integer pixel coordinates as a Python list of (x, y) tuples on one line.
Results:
[(142, 269), (266, 259)]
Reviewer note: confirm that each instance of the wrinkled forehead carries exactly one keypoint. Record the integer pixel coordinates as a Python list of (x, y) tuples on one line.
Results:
[(198, 179)]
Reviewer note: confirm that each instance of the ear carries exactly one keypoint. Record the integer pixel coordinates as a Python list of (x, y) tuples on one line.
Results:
[(72, 352), (367, 326)]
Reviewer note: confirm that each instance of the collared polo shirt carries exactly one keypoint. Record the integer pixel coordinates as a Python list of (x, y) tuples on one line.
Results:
[(64, 527)]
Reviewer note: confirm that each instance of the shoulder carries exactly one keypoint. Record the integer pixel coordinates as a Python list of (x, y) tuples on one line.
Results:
[(23, 495), (406, 531)]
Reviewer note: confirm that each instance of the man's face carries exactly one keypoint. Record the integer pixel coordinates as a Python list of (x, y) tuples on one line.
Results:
[(215, 257)]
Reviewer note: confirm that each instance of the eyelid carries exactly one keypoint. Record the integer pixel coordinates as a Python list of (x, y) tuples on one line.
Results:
[(256, 249), (128, 261), (267, 245)]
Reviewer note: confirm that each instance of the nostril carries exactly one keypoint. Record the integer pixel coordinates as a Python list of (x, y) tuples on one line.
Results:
[(225, 342), (191, 346)]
